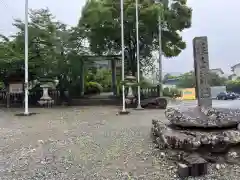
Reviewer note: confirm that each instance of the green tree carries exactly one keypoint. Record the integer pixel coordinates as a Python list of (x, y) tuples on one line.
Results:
[(187, 80), (46, 42), (168, 76), (11, 61), (104, 77), (54, 49), (100, 22), (233, 85)]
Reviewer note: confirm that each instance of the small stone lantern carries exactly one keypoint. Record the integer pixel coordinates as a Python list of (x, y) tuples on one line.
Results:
[(45, 99), (130, 82)]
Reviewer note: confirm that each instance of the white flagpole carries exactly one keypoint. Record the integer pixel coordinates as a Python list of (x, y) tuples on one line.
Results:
[(26, 112), (138, 59), (160, 48), (123, 59)]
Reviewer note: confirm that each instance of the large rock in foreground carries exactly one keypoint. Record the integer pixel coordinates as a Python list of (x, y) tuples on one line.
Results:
[(203, 118), (214, 141), (154, 103)]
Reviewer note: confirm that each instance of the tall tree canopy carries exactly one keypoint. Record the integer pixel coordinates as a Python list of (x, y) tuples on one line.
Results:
[(54, 49), (100, 22)]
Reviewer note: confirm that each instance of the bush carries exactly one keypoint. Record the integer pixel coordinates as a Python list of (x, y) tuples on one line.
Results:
[(146, 84), (233, 86), (93, 88), (107, 88), (171, 92)]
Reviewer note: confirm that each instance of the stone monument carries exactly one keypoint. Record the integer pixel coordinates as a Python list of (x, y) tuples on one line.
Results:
[(203, 130), (201, 67)]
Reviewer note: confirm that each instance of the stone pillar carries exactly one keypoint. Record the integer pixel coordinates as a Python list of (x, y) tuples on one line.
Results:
[(82, 77), (114, 82), (201, 66)]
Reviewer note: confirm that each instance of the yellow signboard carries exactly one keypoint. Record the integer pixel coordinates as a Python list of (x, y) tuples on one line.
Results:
[(188, 94)]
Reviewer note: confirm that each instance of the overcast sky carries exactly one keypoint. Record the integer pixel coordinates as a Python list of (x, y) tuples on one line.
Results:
[(217, 19)]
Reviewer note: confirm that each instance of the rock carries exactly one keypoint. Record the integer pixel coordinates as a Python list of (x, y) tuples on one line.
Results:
[(218, 166), (232, 154), (160, 144), (238, 127), (183, 170), (203, 118), (154, 103), (197, 165), (32, 150), (162, 154), (213, 141), (193, 166), (212, 158), (157, 127), (40, 142), (177, 140)]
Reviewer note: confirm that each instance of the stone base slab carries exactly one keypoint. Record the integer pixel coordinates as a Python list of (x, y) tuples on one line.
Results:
[(198, 117), (213, 141)]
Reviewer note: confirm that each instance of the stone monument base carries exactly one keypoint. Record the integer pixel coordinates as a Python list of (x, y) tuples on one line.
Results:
[(207, 134), (46, 102), (216, 141), (154, 103), (123, 112), (206, 118), (24, 114)]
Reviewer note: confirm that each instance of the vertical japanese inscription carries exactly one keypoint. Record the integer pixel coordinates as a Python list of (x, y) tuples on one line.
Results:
[(201, 67)]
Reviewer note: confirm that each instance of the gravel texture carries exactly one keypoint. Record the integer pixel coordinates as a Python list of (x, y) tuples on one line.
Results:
[(87, 143)]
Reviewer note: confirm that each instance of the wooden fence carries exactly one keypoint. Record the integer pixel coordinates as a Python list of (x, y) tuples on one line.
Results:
[(17, 99), (150, 92)]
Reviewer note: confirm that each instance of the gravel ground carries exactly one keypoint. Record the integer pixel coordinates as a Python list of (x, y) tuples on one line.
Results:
[(86, 143)]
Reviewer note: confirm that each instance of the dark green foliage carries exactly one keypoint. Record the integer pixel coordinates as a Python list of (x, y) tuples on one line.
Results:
[(93, 88), (187, 80), (100, 22)]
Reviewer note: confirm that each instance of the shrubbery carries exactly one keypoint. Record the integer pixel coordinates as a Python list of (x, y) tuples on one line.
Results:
[(171, 92), (93, 88), (233, 86)]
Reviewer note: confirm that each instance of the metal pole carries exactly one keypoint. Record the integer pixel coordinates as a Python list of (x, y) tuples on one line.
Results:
[(26, 58), (138, 60), (123, 59), (160, 54)]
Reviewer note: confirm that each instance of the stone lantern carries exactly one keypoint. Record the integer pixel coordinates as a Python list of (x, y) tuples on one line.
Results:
[(46, 99), (130, 82)]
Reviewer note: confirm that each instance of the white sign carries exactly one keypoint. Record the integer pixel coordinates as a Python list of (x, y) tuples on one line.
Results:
[(16, 88)]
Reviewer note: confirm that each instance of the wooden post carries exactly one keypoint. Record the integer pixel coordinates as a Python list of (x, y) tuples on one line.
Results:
[(159, 90), (8, 96), (114, 82), (82, 77)]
